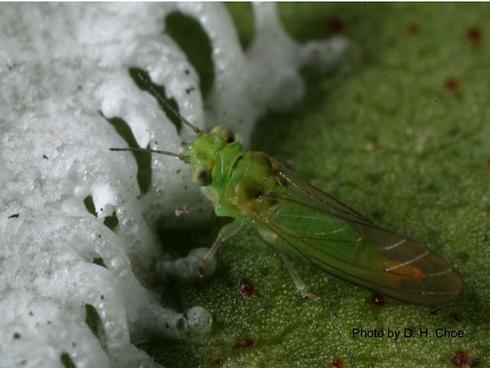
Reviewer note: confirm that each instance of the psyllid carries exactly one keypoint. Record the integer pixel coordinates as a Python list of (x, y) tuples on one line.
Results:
[(299, 220)]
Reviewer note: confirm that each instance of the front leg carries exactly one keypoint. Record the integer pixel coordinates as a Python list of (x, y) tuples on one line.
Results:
[(224, 234)]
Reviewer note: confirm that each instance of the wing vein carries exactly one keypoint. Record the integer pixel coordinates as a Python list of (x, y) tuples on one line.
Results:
[(420, 256), (395, 244), (439, 273)]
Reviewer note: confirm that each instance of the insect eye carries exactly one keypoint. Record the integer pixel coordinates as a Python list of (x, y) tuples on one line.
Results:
[(202, 177)]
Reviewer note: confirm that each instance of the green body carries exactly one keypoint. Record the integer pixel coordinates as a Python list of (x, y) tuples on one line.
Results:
[(298, 219), (238, 176)]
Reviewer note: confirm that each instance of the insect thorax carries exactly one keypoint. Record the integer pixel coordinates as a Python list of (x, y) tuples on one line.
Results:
[(237, 178)]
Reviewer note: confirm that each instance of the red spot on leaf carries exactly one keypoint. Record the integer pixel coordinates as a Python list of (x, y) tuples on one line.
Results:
[(216, 361), (338, 363), (451, 85), (474, 35), (244, 344), (378, 300), (413, 29), (461, 359), (247, 288), (336, 25)]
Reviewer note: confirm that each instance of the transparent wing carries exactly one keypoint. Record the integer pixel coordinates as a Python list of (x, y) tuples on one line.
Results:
[(303, 220)]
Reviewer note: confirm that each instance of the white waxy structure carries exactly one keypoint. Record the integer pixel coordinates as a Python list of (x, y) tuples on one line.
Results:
[(64, 72)]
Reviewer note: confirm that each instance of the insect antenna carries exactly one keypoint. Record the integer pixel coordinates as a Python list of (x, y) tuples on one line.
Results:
[(166, 153), (164, 101)]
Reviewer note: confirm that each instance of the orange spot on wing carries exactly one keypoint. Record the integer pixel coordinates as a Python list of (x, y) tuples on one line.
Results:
[(406, 271)]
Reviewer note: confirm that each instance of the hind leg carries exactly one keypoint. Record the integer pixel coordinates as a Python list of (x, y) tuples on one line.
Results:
[(300, 285)]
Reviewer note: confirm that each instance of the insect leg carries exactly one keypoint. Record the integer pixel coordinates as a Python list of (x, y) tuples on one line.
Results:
[(300, 285), (224, 234)]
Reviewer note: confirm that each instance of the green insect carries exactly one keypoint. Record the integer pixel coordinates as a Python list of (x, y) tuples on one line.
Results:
[(299, 220)]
